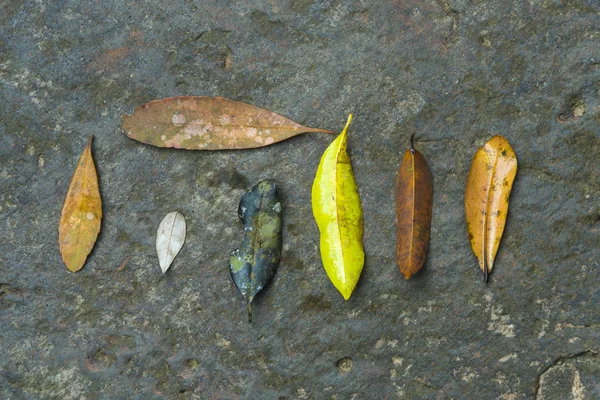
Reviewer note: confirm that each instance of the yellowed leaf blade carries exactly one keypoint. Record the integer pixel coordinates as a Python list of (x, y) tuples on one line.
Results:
[(208, 123), (338, 213), (81, 213), (490, 181)]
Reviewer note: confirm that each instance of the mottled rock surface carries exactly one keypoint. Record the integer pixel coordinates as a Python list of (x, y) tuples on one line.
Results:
[(455, 72)]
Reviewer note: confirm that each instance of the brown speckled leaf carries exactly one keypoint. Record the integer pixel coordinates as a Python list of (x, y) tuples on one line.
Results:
[(414, 200), (208, 123)]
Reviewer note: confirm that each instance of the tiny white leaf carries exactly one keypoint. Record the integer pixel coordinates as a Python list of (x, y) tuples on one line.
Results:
[(170, 238)]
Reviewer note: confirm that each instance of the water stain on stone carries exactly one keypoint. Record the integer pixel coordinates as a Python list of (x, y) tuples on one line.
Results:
[(314, 303), (300, 6), (212, 47), (293, 262), (278, 31), (99, 360), (121, 343), (230, 176), (109, 58), (266, 27), (292, 229)]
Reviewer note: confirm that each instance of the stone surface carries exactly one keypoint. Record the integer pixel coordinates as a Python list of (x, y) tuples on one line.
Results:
[(454, 72)]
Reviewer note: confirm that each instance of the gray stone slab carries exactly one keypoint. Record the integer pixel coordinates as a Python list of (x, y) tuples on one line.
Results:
[(455, 72)]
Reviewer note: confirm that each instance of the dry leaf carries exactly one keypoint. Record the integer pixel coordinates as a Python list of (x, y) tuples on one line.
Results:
[(253, 266), (170, 238), (414, 200), (490, 181), (337, 211), (81, 213), (208, 123)]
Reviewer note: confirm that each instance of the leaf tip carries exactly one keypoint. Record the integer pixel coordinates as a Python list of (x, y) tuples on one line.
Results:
[(347, 123), (89, 144), (73, 267), (346, 293)]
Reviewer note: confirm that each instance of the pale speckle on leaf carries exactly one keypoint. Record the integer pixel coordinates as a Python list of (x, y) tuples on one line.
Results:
[(178, 119)]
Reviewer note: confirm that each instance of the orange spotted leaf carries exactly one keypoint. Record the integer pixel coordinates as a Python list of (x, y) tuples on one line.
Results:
[(81, 213)]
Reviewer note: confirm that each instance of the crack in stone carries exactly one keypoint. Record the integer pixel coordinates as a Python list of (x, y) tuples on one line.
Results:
[(584, 326), (7, 288), (560, 361)]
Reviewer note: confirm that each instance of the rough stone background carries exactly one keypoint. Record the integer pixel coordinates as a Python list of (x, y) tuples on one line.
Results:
[(454, 72)]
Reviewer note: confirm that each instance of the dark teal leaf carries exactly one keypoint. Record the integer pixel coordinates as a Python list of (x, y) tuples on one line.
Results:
[(254, 264)]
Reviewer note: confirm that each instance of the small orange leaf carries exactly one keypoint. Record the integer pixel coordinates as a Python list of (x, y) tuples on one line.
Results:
[(414, 200), (81, 214), (208, 123), (490, 181)]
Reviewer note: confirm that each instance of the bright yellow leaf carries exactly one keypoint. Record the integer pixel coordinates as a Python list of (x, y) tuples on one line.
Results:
[(337, 210)]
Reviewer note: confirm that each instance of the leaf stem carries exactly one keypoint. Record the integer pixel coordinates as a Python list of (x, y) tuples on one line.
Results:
[(347, 124), (249, 304), (412, 143), (485, 271)]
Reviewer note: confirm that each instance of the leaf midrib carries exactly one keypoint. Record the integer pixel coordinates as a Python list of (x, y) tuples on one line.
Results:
[(169, 241), (486, 216), (412, 209), (337, 212), (72, 203), (254, 240)]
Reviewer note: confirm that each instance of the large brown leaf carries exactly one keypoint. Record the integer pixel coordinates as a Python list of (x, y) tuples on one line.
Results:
[(414, 200), (208, 123), (490, 181), (81, 213)]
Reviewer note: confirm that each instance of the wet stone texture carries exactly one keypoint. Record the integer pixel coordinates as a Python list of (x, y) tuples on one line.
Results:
[(455, 72)]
